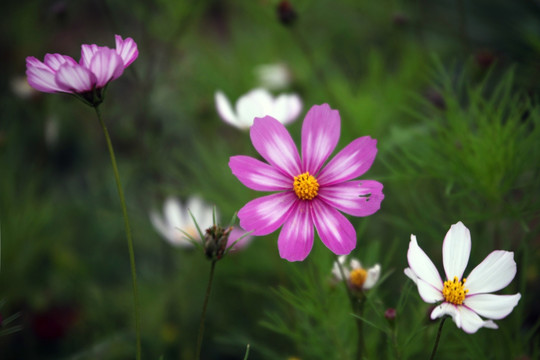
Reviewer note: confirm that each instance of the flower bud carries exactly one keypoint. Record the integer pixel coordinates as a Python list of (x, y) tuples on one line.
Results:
[(215, 241)]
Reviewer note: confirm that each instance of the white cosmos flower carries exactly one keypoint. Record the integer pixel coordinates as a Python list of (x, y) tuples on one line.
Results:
[(464, 299), (258, 103), (176, 222), (357, 277)]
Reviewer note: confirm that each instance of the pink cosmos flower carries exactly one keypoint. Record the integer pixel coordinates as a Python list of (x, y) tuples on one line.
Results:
[(306, 192), (464, 299), (97, 67)]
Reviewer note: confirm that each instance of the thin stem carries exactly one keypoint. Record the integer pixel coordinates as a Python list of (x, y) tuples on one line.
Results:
[(205, 305), (437, 339), (128, 232)]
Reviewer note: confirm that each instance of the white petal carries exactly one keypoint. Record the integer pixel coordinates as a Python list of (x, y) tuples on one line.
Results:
[(428, 293), (446, 309), (494, 273), (355, 264), (337, 272), (471, 322), (422, 266), (172, 210), (203, 213), (492, 306), (372, 277), (256, 103), (411, 275), (287, 107), (225, 110), (456, 250)]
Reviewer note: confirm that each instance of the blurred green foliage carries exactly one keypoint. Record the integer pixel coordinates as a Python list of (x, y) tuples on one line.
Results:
[(448, 88)]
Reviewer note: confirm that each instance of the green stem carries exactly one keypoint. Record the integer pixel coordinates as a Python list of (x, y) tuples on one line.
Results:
[(205, 305), (128, 232), (437, 339)]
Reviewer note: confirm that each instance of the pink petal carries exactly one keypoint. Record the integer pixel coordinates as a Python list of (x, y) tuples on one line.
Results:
[(258, 175), (75, 78), (492, 306), (40, 76), (422, 266), (320, 135), (87, 53), (296, 238), (456, 250), (358, 198), (107, 65), (236, 234), (127, 49), (265, 214), (470, 322), (351, 162), (335, 231), (54, 61), (428, 292), (274, 143), (494, 273)]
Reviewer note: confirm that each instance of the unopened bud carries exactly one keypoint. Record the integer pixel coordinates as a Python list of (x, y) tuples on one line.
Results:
[(286, 13), (215, 241)]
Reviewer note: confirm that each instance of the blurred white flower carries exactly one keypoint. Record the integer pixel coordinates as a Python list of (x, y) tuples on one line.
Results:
[(273, 76), (258, 103), (21, 88), (357, 277), (176, 222), (51, 131)]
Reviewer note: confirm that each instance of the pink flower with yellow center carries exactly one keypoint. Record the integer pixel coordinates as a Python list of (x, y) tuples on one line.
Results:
[(307, 192), (97, 67), (464, 299)]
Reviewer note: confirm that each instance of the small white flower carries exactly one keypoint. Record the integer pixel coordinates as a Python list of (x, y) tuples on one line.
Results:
[(464, 299), (258, 103), (357, 277), (273, 76), (176, 222)]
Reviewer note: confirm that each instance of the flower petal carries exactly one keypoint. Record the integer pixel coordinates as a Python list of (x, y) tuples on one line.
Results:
[(174, 214), (75, 78), (258, 175), (296, 237), (257, 103), (492, 306), (40, 76), (335, 231), (127, 49), (422, 266), (274, 143), (351, 162), (287, 107), (456, 250), (87, 53), (372, 277), (236, 234), (107, 65), (428, 292), (494, 273), (265, 214), (203, 213), (471, 322), (358, 198), (446, 309), (225, 110), (54, 61), (411, 275), (320, 135)]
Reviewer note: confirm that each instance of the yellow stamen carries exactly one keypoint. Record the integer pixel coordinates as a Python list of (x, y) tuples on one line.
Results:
[(305, 186), (454, 291), (358, 277)]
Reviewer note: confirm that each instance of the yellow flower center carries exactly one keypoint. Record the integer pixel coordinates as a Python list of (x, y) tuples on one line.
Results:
[(305, 186), (358, 277), (454, 291)]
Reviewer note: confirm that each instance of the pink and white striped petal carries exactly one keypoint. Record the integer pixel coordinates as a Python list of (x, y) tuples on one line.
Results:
[(87, 53), (75, 78), (266, 214), (494, 273), (258, 175), (41, 77), (274, 143), (357, 198), (456, 250), (320, 135), (127, 49), (335, 231), (107, 65), (492, 306), (351, 162), (55, 61), (296, 237), (422, 266)]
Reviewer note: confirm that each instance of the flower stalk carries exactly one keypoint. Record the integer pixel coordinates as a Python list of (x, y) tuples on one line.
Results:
[(205, 306), (128, 232), (436, 345)]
